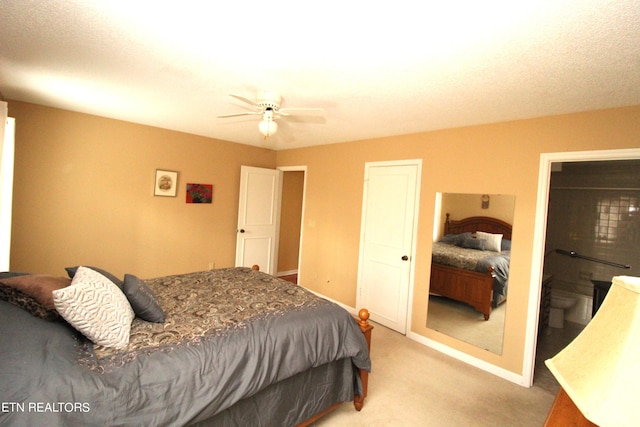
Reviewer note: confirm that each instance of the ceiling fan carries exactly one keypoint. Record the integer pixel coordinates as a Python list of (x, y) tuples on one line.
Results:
[(267, 104)]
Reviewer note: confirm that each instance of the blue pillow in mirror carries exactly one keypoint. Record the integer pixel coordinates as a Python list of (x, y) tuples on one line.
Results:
[(449, 238), (472, 243), (456, 239)]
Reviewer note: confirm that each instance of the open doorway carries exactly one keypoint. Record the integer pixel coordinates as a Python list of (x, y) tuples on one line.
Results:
[(291, 214), (584, 207), (593, 222)]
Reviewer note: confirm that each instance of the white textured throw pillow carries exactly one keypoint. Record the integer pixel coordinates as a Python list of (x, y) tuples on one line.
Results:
[(494, 241), (96, 307)]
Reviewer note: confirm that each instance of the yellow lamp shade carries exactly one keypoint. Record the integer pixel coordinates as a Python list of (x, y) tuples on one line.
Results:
[(600, 369)]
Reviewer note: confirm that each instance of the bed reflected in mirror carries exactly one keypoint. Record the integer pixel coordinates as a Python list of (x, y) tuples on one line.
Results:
[(469, 280)]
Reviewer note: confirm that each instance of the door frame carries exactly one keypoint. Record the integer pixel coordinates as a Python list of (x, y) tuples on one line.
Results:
[(539, 237), (414, 239), (303, 169)]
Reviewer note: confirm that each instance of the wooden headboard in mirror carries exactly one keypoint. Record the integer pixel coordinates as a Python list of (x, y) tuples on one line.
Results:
[(477, 223)]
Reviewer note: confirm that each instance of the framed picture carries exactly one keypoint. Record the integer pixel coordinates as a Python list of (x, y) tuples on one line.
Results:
[(166, 183), (199, 193)]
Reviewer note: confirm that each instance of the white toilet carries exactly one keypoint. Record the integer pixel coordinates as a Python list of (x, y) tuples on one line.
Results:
[(559, 303)]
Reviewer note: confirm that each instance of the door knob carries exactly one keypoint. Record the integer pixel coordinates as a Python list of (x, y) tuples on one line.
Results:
[(405, 258), (241, 230)]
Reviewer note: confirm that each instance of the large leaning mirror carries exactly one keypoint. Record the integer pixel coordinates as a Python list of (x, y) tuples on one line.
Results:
[(471, 253)]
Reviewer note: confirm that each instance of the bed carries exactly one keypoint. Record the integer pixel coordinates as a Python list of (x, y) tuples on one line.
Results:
[(231, 347), (463, 269)]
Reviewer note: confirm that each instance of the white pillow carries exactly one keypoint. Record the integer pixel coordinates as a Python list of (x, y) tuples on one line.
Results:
[(494, 241), (96, 307)]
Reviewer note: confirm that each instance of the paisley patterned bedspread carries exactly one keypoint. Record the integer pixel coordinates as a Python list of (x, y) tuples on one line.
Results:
[(228, 334), (207, 304), (455, 256)]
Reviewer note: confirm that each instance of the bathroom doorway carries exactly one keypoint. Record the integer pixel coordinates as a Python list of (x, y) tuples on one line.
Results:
[(592, 234)]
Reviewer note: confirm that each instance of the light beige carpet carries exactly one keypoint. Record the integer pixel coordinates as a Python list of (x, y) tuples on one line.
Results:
[(413, 385), (465, 323)]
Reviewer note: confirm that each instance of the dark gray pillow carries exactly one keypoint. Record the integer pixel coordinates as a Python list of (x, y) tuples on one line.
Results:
[(472, 243), (142, 299), (71, 271)]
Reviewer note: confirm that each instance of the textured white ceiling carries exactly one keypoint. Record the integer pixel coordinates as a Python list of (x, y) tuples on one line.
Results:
[(376, 70)]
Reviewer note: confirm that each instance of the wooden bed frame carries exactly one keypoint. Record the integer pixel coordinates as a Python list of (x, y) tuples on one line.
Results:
[(470, 287), (358, 401)]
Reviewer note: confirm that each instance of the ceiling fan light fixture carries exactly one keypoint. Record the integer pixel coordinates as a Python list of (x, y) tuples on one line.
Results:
[(268, 105), (267, 127)]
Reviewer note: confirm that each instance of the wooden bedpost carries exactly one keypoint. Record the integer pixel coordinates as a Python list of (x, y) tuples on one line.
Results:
[(255, 267), (447, 224), (366, 328)]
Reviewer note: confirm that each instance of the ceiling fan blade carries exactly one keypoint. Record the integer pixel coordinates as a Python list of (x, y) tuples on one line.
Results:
[(300, 111), (247, 100), (248, 113)]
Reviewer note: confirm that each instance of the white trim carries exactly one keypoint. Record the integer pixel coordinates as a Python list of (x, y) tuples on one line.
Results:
[(414, 245), (470, 360), (459, 355), (540, 229), (286, 273), (351, 310), (292, 168)]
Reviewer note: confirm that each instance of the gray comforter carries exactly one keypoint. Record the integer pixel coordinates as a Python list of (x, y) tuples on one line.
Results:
[(178, 373)]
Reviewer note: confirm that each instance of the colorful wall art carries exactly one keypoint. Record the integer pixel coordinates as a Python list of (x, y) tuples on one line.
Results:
[(199, 193)]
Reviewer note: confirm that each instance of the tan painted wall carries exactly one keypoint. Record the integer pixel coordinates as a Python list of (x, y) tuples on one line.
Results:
[(496, 159), (465, 205), (461, 206), (83, 194)]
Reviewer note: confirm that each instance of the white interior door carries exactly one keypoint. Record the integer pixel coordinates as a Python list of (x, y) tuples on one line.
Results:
[(387, 242), (258, 218)]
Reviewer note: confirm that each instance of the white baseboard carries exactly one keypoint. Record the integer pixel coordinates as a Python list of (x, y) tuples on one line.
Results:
[(464, 357), (286, 273), (351, 310), (456, 354)]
